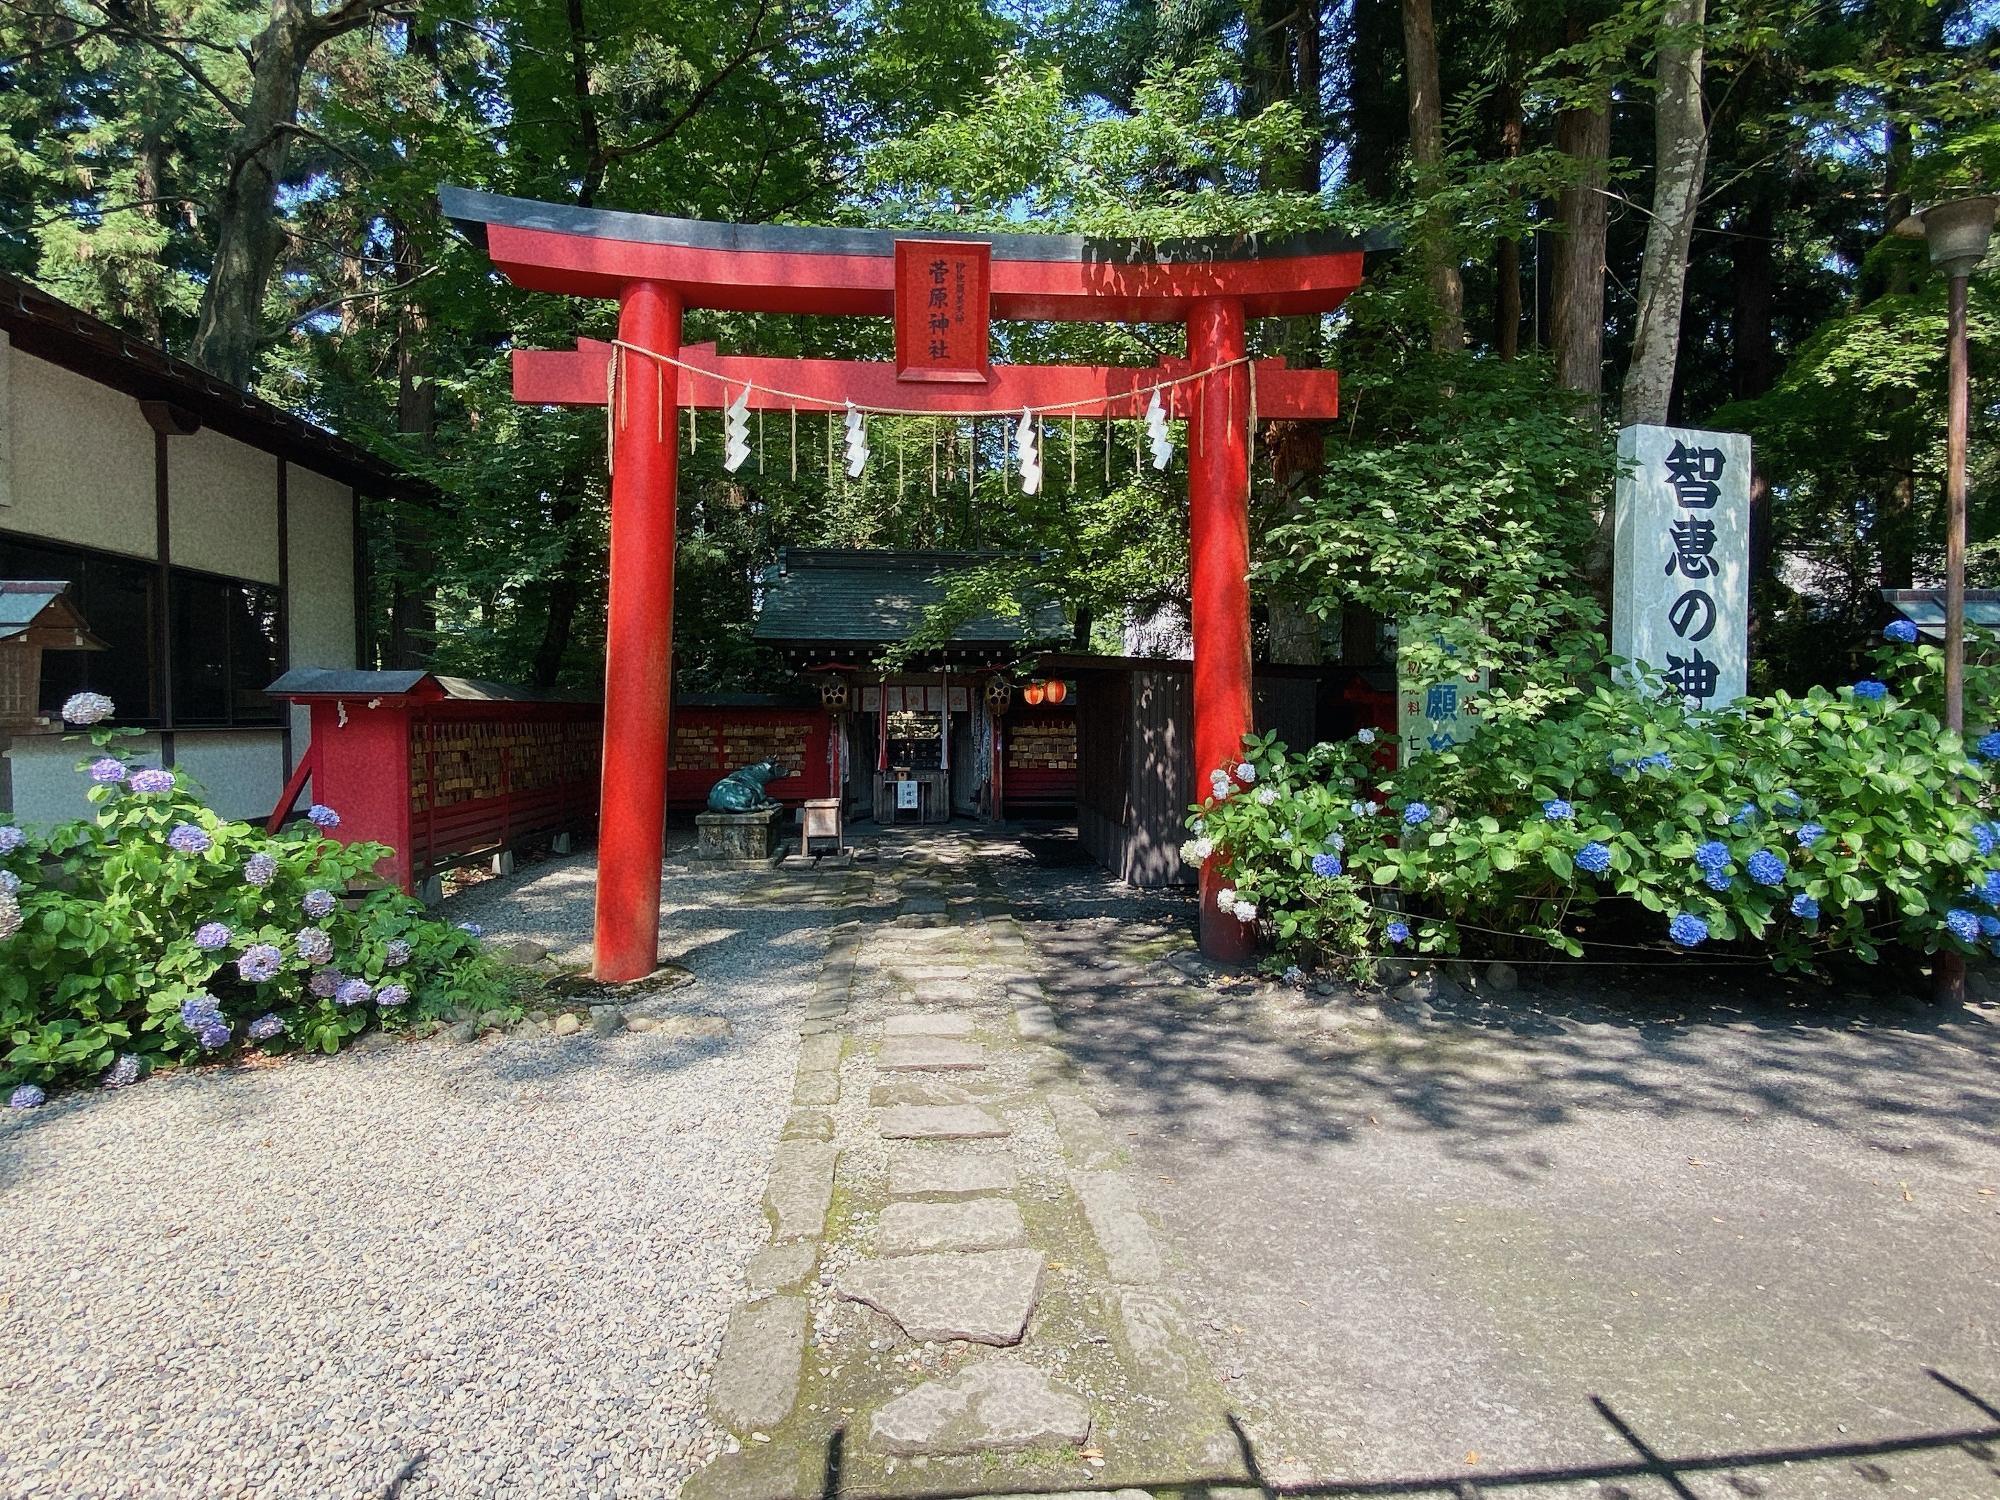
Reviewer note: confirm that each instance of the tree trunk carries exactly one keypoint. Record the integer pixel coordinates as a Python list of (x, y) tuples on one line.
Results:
[(1420, 66), (1507, 251), (1576, 292), (1680, 134), (1895, 543), (1753, 264)]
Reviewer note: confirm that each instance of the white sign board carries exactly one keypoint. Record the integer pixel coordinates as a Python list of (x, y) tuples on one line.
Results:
[(1435, 715), (1680, 594), (906, 796)]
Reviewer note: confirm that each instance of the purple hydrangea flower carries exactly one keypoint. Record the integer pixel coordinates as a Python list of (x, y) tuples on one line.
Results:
[(314, 946), (317, 903), (1417, 813), (353, 992), (1594, 857), (10, 883), (1766, 868), (213, 1035), (1870, 690), (260, 869), (11, 838), (392, 995), (127, 1070), (1558, 811), (1962, 925), (1326, 866), (200, 1011), (212, 935), (1903, 632), (1398, 933), (1688, 930), (473, 928), (1810, 834), (151, 779), (1711, 855), (323, 816), (27, 1096), (260, 964), (1804, 906), (397, 953), (88, 708), (107, 769), (265, 1027), (188, 839), (326, 983)]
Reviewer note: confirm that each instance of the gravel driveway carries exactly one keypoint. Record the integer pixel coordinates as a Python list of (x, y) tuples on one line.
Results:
[(493, 1268)]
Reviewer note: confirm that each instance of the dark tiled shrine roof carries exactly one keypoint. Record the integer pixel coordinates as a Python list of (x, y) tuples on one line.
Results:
[(879, 597)]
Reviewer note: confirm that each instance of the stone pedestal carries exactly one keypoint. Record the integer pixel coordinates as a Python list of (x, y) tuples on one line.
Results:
[(744, 838)]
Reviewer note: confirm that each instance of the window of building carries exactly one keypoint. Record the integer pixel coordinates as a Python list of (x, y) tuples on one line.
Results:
[(224, 632)]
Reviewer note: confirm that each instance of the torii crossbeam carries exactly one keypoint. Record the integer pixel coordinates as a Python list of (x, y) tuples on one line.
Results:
[(942, 290)]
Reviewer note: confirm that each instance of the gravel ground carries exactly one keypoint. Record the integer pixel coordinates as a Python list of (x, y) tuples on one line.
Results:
[(501, 1268)]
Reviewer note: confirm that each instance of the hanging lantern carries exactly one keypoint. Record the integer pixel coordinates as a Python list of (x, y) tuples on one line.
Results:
[(1058, 690), (999, 693), (833, 692), (1034, 693)]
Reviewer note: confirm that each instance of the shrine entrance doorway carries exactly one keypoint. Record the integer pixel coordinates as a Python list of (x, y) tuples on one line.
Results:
[(943, 292)]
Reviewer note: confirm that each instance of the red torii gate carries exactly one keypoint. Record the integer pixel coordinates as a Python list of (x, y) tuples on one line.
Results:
[(942, 290)]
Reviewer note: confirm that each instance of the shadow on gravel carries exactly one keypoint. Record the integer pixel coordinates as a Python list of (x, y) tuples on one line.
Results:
[(1871, 1462)]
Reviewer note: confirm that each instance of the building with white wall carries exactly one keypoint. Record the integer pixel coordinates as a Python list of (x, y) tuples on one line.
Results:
[(210, 539)]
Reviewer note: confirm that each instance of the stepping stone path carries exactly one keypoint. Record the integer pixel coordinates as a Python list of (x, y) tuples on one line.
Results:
[(961, 1293)]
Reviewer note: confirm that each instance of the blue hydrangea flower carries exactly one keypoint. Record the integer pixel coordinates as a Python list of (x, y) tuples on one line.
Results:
[(1558, 811), (87, 708), (1398, 933), (1594, 857), (1871, 690), (1989, 927), (265, 1027), (1362, 809), (260, 963), (323, 816), (151, 779), (397, 953), (1987, 746), (260, 869), (317, 903), (213, 1035), (326, 983), (107, 769), (188, 839), (1962, 925), (1989, 888), (1982, 838), (1903, 632), (1326, 866), (27, 1096), (1711, 855), (200, 1011), (354, 992), (212, 935), (1743, 814), (1365, 736), (1719, 880), (127, 1070), (1788, 804), (1417, 813), (473, 928), (1810, 834), (10, 883), (1659, 760), (1766, 868), (1688, 930), (392, 995), (314, 946), (1336, 843), (1804, 906), (11, 838)]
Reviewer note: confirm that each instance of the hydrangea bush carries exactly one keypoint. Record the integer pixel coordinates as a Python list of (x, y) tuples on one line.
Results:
[(157, 931), (1807, 826)]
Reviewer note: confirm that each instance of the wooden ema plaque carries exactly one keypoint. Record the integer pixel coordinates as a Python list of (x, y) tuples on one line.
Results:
[(943, 310)]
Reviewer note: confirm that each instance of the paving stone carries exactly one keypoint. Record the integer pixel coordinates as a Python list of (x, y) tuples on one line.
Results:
[(819, 1054), (943, 992), (921, 1024), (1035, 1023), (923, 905), (939, 1122), (1085, 1140), (914, 1088), (1000, 1404), (975, 1224), (776, 1267), (929, 1054), (800, 1188), (757, 1373), (1130, 1254), (947, 1172), (816, 1088), (808, 1125), (1158, 1341), (983, 1297), (933, 973)]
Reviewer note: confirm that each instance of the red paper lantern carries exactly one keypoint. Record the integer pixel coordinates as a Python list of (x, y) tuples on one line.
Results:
[(1058, 690), (1033, 694)]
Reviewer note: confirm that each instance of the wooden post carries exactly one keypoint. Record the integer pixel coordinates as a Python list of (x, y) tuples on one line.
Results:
[(1219, 582), (639, 636)]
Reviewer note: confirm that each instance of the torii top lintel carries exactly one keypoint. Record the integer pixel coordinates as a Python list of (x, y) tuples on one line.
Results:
[(781, 268)]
